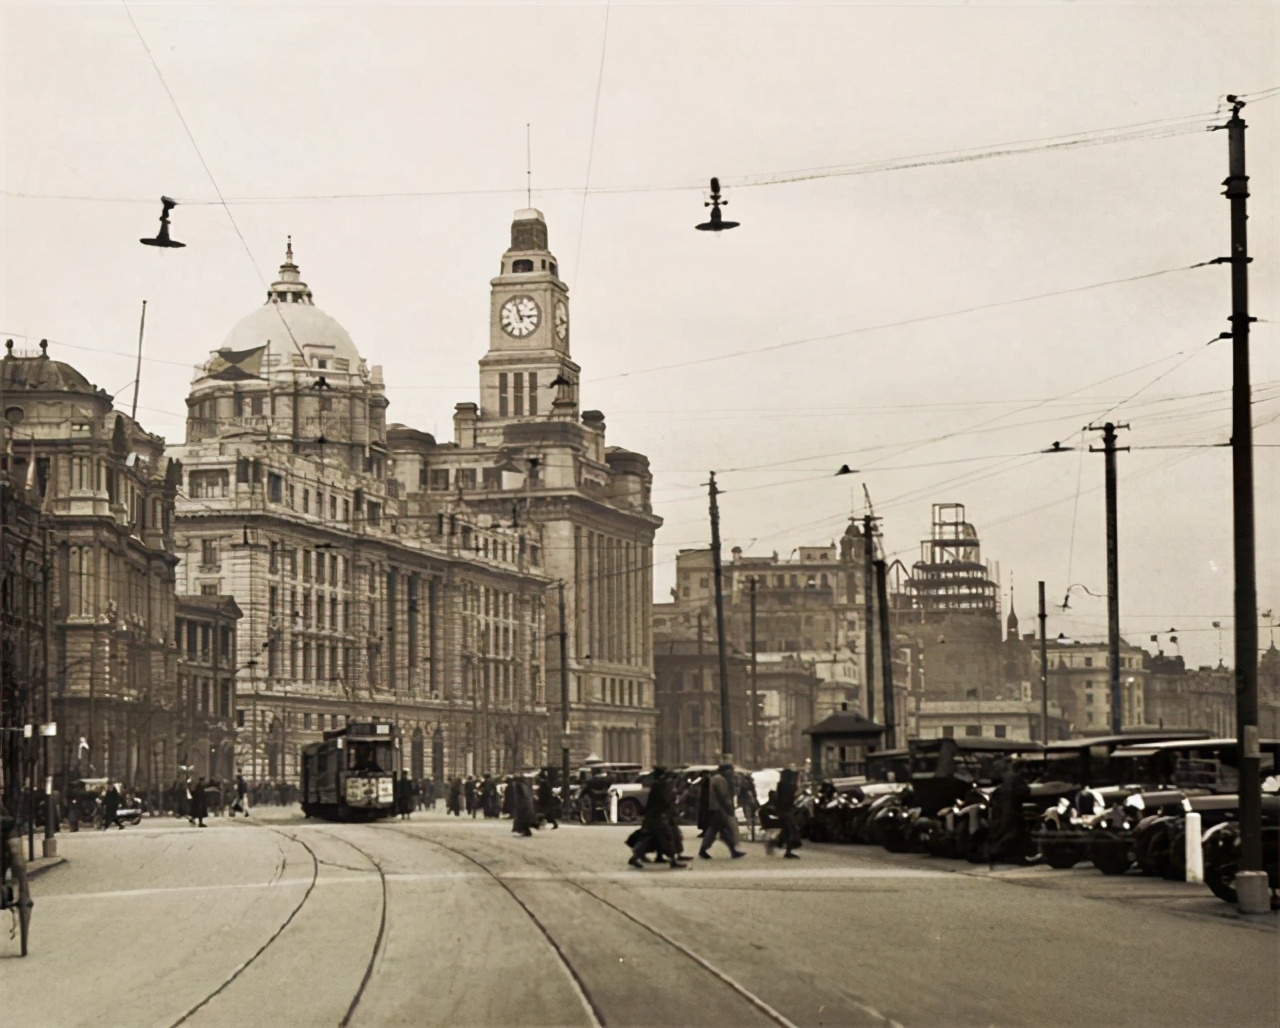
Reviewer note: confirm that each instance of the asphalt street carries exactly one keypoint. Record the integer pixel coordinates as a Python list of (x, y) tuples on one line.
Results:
[(437, 921)]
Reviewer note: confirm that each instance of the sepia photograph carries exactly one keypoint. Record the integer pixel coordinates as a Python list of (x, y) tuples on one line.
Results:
[(463, 462)]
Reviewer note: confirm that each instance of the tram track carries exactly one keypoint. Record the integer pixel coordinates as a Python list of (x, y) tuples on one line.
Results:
[(316, 864), (246, 964), (590, 1002)]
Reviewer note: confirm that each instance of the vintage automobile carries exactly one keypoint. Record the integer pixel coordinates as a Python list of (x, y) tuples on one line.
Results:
[(1165, 780), (1091, 785), (1222, 853), (633, 795), (952, 783)]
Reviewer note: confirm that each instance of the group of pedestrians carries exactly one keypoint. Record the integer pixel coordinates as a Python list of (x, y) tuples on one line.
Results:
[(718, 796)]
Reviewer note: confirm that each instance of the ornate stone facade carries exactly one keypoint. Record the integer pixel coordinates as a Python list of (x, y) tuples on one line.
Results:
[(107, 489), (356, 602), (527, 458)]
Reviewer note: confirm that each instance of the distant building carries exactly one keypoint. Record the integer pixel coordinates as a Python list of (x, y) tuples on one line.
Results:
[(687, 684), (356, 602), (1179, 697), (206, 708), (1080, 683), (106, 489), (529, 458), (808, 630)]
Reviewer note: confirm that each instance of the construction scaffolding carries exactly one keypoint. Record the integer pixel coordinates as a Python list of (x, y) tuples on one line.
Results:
[(950, 576)]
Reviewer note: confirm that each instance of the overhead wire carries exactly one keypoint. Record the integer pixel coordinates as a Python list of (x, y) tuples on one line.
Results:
[(208, 171)]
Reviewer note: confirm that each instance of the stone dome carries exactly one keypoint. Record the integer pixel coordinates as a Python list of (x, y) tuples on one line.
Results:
[(41, 374), (290, 315)]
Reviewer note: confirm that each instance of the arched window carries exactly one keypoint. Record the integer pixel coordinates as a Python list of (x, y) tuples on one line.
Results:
[(521, 265)]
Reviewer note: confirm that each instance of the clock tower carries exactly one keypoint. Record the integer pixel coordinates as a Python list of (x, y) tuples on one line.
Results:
[(527, 372)]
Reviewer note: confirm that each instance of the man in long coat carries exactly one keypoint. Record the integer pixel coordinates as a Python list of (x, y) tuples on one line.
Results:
[(199, 803), (469, 794), (524, 818), (548, 802), (722, 822), (454, 801), (658, 830)]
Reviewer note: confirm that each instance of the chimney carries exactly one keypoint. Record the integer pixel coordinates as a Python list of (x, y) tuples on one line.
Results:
[(464, 424)]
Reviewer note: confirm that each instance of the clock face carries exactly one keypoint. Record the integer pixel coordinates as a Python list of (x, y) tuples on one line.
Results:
[(562, 320), (520, 316)]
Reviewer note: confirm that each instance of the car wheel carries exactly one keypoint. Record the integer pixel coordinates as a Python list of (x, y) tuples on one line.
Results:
[(1060, 857)]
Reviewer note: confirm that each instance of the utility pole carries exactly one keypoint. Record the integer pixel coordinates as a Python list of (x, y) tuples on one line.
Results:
[(564, 700), (868, 621), (755, 703), (726, 728), (1109, 449), (886, 663), (1251, 880), (50, 843), (1044, 670)]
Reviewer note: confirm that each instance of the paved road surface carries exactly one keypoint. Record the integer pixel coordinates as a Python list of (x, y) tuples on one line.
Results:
[(441, 922)]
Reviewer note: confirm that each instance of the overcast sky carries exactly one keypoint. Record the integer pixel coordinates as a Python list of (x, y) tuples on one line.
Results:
[(389, 140)]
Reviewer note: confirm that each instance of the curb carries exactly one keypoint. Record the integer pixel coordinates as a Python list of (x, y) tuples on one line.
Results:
[(42, 864)]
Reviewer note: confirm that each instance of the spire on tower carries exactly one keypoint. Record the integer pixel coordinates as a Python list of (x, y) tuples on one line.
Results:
[(288, 250)]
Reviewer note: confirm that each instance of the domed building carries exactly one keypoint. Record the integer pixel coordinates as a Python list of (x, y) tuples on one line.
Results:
[(105, 490), (354, 606)]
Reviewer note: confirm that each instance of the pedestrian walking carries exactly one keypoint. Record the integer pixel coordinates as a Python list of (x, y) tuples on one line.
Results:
[(659, 832), (489, 796), (524, 817), (469, 792), (404, 795), (199, 809), (720, 820), (453, 803), (242, 797), (111, 808), (780, 811), (548, 802), (748, 802)]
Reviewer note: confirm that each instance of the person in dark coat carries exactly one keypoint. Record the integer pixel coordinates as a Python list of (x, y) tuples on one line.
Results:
[(658, 831), (404, 793), (548, 802), (1005, 834), (469, 792), (524, 818), (454, 802), (721, 818), (242, 797), (489, 801), (783, 812), (199, 804), (111, 808)]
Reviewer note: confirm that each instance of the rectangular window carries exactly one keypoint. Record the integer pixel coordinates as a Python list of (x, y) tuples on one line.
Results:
[(333, 508), (273, 559), (306, 722), (466, 478), (209, 589), (533, 392), (306, 501), (1002, 731), (440, 480), (948, 731), (502, 394), (320, 568), (306, 565), (320, 661), (255, 406), (240, 717), (519, 393), (273, 600), (275, 487), (493, 478), (209, 552)]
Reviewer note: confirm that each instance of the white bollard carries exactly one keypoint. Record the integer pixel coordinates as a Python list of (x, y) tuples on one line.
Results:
[(613, 807), (1194, 849)]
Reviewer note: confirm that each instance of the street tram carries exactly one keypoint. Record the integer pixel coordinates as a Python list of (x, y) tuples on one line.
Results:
[(350, 776)]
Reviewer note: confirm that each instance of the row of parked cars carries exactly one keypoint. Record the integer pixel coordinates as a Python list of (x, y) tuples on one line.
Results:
[(1116, 803)]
